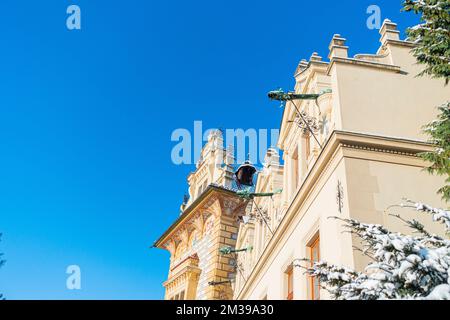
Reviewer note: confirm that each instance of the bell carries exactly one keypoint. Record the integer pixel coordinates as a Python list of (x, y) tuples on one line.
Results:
[(244, 174)]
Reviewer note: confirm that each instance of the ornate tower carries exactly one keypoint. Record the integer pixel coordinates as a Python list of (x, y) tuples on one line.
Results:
[(207, 223)]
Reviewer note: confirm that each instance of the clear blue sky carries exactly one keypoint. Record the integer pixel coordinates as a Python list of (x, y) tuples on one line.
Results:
[(86, 116)]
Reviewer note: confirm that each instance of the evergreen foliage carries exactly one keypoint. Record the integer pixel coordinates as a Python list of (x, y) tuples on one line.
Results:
[(2, 262)]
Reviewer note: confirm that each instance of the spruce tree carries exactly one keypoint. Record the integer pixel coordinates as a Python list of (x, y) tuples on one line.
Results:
[(432, 39)]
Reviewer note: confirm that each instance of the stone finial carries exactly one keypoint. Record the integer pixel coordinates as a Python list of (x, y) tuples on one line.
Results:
[(302, 65), (337, 47), (315, 57), (389, 31)]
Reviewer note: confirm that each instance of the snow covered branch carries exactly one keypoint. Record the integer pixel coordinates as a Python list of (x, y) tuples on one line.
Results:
[(404, 266)]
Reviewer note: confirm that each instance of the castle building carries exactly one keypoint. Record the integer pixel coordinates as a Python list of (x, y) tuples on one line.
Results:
[(357, 156), (208, 222)]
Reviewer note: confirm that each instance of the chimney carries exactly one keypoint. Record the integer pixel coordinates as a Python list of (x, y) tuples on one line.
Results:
[(389, 31), (337, 47)]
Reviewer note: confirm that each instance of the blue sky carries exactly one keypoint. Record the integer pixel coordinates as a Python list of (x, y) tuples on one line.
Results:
[(86, 118)]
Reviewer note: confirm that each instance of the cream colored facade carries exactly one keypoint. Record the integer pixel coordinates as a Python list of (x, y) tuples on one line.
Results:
[(369, 129), (208, 222)]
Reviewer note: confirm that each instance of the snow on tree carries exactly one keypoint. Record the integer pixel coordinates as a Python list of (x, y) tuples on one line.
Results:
[(402, 267)]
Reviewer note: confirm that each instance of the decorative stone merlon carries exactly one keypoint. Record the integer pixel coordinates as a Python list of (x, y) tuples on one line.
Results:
[(389, 31), (315, 57), (337, 47)]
